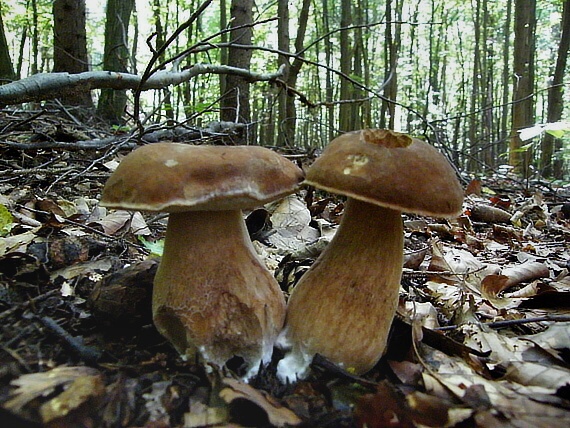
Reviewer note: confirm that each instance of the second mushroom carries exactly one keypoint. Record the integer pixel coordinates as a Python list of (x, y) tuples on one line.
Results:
[(343, 306)]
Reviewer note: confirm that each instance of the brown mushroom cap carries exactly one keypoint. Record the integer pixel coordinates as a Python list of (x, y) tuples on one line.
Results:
[(390, 169), (175, 177)]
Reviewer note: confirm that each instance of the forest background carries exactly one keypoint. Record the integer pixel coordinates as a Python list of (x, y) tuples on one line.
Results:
[(468, 76)]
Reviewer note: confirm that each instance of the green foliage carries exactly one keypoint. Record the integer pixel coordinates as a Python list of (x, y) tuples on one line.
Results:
[(6, 220), (556, 129), (156, 248)]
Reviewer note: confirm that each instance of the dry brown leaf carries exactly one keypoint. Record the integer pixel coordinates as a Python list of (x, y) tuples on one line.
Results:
[(277, 414), (506, 402), (546, 378), (17, 243), (81, 395), (557, 336), (203, 415), (114, 221), (516, 355), (492, 286), (561, 284), (98, 267), (34, 385), (474, 187), (449, 298), (384, 408), (423, 313), (525, 272), (488, 214), (407, 372), (290, 219)]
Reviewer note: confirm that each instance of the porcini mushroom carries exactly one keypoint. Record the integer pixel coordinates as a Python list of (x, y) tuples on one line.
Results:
[(212, 296), (343, 306)]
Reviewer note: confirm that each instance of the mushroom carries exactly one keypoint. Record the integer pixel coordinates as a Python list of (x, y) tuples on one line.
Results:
[(212, 296), (343, 306)]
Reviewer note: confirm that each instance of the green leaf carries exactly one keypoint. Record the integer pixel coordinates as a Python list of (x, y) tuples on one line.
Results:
[(156, 248), (6, 220), (556, 133), (557, 129)]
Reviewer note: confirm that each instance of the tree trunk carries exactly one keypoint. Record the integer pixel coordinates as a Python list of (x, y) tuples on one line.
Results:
[(284, 45), (505, 79), (287, 110), (235, 101), (35, 38), (346, 109), (523, 65), (329, 88), (391, 52), (474, 128), (167, 101), (70, 45), (112, 103), (6, 68), (550, 145)]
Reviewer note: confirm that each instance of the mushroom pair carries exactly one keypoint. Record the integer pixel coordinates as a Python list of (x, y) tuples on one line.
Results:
[(343, 306), (212, 296)]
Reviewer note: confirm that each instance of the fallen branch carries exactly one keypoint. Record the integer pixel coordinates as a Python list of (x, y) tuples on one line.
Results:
[(178, 133), (54, 85)]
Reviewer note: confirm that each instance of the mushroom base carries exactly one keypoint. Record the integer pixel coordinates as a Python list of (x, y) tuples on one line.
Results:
[(212, 296), (343, 307)]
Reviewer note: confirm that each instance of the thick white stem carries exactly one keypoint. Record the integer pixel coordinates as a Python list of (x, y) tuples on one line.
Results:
[(212, 295), (343, 306)]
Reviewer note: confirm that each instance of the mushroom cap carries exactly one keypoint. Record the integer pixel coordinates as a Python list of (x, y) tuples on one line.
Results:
[(390, 169), (176, 177)]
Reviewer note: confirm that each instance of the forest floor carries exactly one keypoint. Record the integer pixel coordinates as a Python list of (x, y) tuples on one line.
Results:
[(482, 336)]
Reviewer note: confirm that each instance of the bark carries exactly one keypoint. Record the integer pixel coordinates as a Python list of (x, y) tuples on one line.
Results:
[(235, 101), (550, 145), (329, 88), (346, 109), (391, 54), (505, 76), (287, 109), (283, 44), (523, 107), (112, 103), (6, 68), (474, 129), (70, 46)]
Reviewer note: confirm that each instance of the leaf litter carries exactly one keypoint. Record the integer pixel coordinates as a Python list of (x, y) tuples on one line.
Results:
[(482, 336)]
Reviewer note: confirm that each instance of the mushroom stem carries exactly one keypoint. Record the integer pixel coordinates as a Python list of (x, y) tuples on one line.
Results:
[(212, 295), (342, 308)]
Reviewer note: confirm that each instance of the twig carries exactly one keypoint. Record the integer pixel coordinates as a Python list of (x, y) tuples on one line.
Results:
[(86, 353), (510, 323), (14, 309)]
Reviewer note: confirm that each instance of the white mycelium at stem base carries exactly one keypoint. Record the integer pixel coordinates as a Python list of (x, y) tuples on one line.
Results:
[(343, 306), (212, 294)]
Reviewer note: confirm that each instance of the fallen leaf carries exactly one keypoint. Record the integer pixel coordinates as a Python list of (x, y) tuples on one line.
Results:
[(525, 272), (278, 415), (557, 336), (34, 385), (81, 396), (16, 243), (385, 408)]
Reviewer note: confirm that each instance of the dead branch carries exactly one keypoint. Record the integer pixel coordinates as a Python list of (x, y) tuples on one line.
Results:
[(178, 133), (53, 85)]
